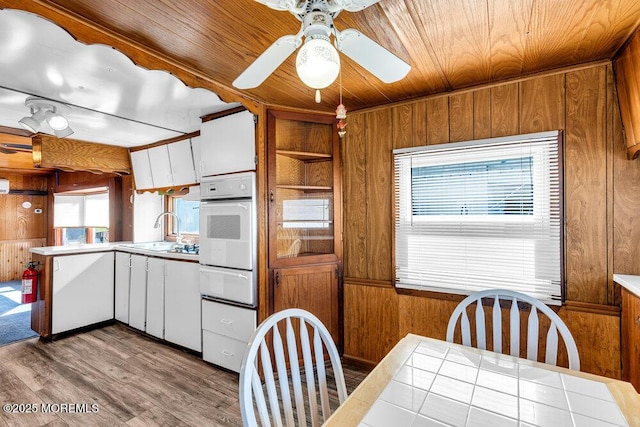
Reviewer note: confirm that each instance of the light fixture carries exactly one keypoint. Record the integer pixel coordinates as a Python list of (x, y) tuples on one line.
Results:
[(317, 62), (50, 111)]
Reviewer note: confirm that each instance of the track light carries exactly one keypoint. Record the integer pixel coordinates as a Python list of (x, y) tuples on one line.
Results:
[(50, 111)]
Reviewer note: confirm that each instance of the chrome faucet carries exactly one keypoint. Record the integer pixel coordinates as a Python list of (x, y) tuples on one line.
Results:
[(178, 235)]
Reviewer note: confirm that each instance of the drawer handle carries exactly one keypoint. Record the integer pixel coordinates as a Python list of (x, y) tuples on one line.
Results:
[(226, 353), (226, 322), (225, 273)]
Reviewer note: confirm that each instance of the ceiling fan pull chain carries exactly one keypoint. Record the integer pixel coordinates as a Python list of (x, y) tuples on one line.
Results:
[(318, 97)]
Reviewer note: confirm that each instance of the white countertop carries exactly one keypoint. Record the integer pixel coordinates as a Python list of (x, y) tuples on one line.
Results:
[(629, 282), (105, 247), (75, 249)]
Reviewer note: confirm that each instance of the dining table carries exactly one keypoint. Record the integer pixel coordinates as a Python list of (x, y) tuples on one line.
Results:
[(429, 382)]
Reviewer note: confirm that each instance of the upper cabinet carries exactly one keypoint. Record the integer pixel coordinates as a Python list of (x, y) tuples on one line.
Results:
[(628, 84), (164, 166), (141, 169), (304, 190), (195, 150), (160, 166), (228, 144), (182, 164)]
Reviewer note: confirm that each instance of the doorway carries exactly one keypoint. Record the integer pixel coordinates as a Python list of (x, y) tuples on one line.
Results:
[(15, 318)]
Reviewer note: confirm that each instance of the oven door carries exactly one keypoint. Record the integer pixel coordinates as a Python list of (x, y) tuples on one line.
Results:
[(226, 234)]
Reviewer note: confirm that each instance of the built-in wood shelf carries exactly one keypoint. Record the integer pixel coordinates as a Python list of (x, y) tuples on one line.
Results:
[(306, 156)]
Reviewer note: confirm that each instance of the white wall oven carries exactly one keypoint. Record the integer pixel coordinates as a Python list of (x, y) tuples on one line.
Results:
[(228, 247)]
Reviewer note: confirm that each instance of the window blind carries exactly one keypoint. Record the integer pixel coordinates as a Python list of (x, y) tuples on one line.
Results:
[(88, 210), (481, 214)]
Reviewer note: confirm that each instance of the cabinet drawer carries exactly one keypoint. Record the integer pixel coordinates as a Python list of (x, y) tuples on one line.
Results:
[(223, 351), (228, 284), (234, 322)]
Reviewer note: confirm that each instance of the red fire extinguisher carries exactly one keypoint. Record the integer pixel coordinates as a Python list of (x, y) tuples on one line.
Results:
[(29, 283)]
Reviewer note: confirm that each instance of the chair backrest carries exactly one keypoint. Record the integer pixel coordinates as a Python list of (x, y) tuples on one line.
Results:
[(557, 325), (314, 341)]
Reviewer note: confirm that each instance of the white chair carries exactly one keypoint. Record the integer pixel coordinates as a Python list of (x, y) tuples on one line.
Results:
[(557, 325), (314, 341)]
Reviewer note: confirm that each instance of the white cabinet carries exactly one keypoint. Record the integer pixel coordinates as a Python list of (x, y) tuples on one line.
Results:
[(155, 297), (197, 156), (138, 292), (160, 166), (182, 163), (163, 298), (83, 290), (228, 144), (182, 318), (141, 169), (122, 279), (226, 330), (164, 166)]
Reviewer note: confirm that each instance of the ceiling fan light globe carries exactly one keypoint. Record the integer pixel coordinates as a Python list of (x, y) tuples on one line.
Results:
[(318, 63), (56, 121)]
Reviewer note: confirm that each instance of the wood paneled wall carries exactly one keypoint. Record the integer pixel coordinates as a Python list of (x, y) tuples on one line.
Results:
[(602, 202), (21, 228)]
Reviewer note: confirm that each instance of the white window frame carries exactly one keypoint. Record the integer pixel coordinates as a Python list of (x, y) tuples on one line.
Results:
[(415, 234)]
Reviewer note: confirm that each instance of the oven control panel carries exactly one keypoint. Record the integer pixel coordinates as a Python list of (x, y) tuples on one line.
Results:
[(237, 185)]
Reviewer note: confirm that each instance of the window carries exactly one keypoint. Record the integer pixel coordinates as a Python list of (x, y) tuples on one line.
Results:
[(189, 213), (481, 214), (81, 216)]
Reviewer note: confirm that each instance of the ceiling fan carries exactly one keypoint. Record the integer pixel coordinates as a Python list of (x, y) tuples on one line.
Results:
[(317, 62)]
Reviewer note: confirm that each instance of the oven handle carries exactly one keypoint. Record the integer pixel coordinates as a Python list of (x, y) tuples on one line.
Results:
[(226, 273), (215, 204)]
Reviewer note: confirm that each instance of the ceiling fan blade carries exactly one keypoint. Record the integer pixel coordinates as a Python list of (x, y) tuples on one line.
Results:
[(370, 55), (266, 63), (348, 5)]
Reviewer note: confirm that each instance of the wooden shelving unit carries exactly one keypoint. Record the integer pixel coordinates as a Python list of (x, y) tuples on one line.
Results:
[(304, 249)]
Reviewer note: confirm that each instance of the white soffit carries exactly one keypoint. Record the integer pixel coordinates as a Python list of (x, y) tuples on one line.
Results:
[(113, 101)]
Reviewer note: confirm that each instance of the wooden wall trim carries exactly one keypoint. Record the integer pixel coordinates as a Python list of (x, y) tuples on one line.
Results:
[(219, 114), (368, 282), (585, 307)]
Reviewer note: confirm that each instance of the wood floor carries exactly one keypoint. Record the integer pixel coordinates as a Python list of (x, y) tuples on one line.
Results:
[(131, 379)]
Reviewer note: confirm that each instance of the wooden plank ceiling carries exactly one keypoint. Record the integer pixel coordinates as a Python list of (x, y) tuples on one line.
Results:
[(450, 44)]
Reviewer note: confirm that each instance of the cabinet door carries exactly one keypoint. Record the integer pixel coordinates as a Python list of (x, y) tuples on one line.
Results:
[(155, 297), (141, 169), (138, 292), (182, 308), (197, 157), (82, 290), (313, 288), (160, 166), (182, 166), (122, 277), (228, 144), (304, 190), (631, 338)]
